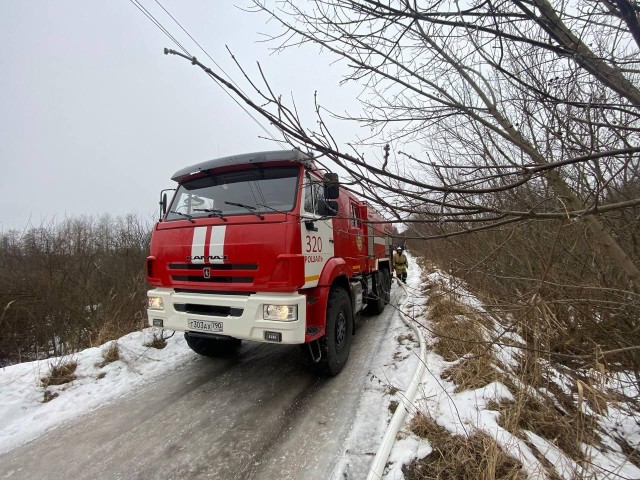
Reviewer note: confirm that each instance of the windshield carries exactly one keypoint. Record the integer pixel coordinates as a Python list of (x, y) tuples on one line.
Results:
[(260, 190)]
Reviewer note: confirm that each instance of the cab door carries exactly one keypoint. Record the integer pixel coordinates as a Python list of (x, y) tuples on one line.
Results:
[(316, 230)]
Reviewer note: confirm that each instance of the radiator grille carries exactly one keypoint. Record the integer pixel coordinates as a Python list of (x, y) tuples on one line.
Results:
[(213, 310), (214, 279), (217, 273), (213, 266)]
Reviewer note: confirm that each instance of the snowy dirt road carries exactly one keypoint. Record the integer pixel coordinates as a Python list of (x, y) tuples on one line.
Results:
[(260, 415)]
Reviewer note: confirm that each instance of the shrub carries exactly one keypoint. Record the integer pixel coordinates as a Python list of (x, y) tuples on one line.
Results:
[(70, 285)]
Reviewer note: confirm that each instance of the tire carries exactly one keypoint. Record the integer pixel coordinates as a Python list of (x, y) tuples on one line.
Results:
[(375, 305), (336, 343), (386, 285), (212, 347)]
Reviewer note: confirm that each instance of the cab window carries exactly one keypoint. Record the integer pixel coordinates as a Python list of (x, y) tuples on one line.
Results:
[(355, 216), (313, 194)]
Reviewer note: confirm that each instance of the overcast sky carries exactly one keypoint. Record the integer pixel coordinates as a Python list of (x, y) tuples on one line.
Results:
[(95, 118)]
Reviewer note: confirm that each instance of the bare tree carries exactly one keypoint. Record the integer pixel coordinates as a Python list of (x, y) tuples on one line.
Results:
[(518, 110)]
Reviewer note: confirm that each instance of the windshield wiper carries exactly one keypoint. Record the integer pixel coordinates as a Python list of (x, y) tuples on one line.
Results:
[(271, 208), (248, 207), (212, 212), (189, 217)]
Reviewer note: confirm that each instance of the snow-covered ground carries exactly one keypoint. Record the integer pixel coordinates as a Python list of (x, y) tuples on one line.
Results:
[(24, 416)]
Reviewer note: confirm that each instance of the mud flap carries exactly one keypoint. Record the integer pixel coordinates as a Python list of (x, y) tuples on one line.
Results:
[(315, 359)]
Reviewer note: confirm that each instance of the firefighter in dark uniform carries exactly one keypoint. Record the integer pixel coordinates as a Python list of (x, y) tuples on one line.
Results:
[(400, 264)]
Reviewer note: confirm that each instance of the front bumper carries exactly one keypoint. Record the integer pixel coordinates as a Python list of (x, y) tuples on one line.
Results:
[(247, 325)]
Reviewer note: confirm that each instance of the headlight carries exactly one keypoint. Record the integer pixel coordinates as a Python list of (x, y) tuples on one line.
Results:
[(285, 313), (155, 303)]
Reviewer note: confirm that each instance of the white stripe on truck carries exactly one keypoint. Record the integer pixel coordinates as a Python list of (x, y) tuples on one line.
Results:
[(216, 244), (197, 244)]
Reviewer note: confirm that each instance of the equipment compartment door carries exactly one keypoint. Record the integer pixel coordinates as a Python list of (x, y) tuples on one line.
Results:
[(358, 252)]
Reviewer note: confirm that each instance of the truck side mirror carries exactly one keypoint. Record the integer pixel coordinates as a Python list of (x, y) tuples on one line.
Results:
[(163, 206), (331, 186), (163, 201), (328, 208)]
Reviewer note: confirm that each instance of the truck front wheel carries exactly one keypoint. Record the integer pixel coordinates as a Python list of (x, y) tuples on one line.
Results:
[(212, 347), (336, 343)]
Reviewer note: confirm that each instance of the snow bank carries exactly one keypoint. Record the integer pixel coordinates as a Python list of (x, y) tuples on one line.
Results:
[(24, 416)]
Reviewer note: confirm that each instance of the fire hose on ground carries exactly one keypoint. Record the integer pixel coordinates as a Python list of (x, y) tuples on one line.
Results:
[(382, 455)]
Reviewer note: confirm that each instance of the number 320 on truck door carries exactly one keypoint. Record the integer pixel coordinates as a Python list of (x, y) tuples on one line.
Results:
[(314, 244)]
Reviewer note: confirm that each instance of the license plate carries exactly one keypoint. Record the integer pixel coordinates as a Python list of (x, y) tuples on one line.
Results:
[(205, 326)]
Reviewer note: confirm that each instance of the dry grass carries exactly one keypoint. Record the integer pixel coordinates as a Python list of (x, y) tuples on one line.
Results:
[(158, 341), (455, 457), (424, 427), (472, 373), (110, 354), (460, 336), (529, 370), (565, 430), (460, 333), (593, 393), (457, 329), (60, 373), (633, 455), (120, 320), (561, 420)]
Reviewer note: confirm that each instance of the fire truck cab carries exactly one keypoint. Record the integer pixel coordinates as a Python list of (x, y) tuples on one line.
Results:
[(266, 247)]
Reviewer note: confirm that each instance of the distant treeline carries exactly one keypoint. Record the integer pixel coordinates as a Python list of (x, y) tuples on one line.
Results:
[(68, 285)]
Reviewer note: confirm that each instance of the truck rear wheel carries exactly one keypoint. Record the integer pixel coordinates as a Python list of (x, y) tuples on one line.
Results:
[(212, 347), (386, 285), (375, 305), (336, 343)]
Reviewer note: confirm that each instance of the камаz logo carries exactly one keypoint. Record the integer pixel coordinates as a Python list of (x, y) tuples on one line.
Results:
[(208, 257)]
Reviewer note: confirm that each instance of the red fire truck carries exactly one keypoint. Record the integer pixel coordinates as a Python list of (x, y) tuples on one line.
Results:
[(267, 248)]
